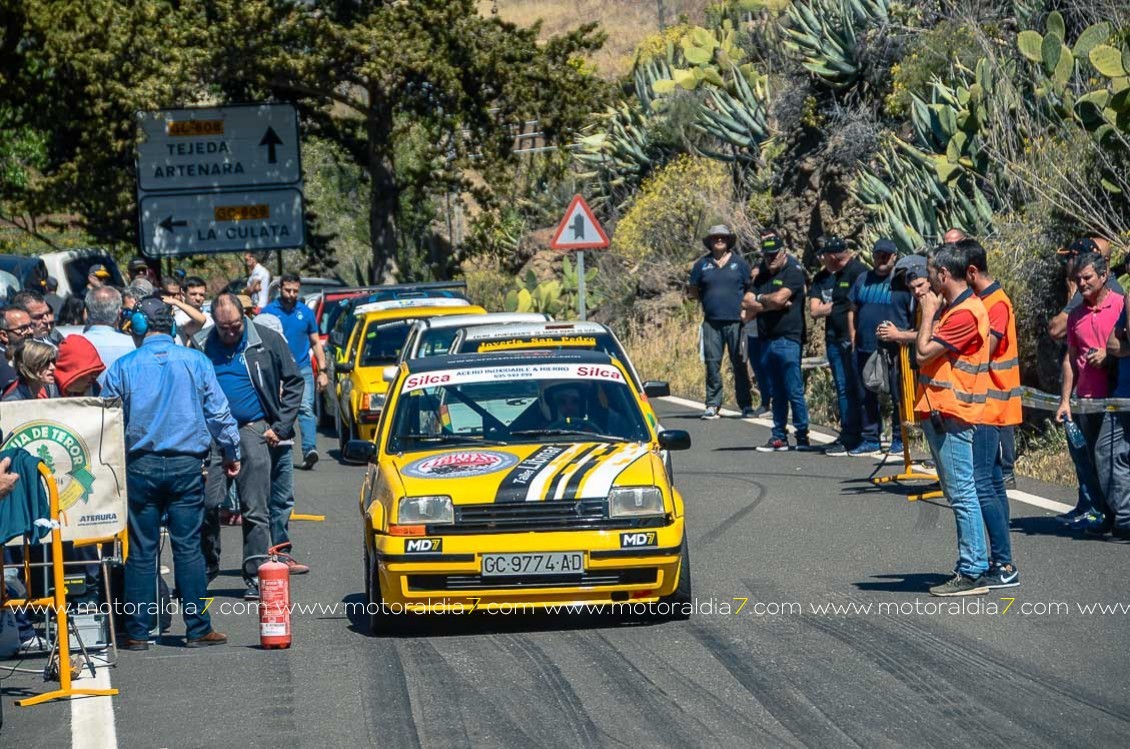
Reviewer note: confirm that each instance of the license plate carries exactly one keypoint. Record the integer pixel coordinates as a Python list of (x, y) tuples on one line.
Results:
[(556, 563)]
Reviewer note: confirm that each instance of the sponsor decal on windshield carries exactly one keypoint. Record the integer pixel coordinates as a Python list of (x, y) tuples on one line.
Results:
[(536, 342), (460, 464), (421, 380)]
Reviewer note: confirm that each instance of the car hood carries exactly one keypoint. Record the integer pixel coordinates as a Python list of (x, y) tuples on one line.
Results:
[(526, 473)]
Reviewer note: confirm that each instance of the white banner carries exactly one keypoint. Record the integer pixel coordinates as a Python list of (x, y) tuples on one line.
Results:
[(82, 441)]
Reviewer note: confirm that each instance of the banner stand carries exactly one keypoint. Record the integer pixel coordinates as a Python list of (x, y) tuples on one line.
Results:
[(906, 375), (57, 603)]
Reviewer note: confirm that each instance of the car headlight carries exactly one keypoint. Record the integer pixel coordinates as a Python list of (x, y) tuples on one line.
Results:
[(635, 502), (425, 511), (372, 401)]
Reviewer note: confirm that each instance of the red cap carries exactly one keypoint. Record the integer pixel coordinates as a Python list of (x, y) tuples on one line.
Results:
[(77, 357)]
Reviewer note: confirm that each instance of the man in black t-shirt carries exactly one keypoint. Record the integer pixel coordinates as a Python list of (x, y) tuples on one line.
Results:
[(777, 304), (720, 279), (828, 299)]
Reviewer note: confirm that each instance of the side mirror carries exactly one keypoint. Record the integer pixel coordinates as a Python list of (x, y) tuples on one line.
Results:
[(359, 451), (344, 367), (388, 374), (675, 439), (656, 389)]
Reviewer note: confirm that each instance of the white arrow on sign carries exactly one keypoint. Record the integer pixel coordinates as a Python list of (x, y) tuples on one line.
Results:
[(218, 148), (579, 230), (259, 220)]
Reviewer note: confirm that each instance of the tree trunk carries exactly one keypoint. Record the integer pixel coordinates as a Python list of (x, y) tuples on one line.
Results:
[(383, 196)]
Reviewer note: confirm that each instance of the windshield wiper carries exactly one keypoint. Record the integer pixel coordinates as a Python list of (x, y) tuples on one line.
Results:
[(568, 433), (447, 439)]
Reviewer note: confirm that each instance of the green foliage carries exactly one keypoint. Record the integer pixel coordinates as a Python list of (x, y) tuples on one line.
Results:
[(570, 288), (824, 36), (534, 296), (935, 54)]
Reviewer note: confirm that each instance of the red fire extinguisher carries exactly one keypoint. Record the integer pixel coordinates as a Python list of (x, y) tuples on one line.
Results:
[(274, 601)]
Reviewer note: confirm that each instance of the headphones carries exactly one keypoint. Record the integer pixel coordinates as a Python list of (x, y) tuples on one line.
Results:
[(136, 323)]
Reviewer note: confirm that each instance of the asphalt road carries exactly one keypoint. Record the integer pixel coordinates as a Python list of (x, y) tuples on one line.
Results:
[(787, 532)]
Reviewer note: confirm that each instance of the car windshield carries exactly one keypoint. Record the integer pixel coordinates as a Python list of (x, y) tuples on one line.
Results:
[(519, 404), (554, 341), (383, 343), (435, 342)]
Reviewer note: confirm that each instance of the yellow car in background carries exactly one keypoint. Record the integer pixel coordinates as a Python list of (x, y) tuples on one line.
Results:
[(375, 343), (519, 481)]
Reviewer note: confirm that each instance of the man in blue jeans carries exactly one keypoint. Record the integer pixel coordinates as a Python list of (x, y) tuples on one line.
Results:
[(828, 300), (777, 302), (300, 328), (173, 409)]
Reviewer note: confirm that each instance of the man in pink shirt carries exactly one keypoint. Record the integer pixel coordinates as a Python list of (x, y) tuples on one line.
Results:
[(1086, 371)]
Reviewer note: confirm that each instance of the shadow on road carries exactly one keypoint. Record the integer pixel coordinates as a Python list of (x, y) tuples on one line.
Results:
[(910, 582)]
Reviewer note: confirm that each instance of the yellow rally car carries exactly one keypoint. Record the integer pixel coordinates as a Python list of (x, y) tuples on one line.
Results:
[(375, 343), (519, 481)]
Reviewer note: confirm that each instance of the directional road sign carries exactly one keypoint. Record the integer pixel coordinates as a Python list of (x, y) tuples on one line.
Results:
[(254, 145), (256, 220), (579, 230)]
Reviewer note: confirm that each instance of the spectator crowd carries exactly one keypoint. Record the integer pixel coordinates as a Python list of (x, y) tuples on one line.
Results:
[(958, 328), (213, 404)]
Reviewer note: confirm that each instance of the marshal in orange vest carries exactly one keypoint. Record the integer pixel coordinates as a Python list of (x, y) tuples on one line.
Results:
[(958, 386), (1003, 407)]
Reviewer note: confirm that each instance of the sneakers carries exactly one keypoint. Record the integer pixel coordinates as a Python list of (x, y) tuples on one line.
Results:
[(296, 568), (760, 411), (774, 445), (895, 447), (136, 645), (803, 445), (212, 638), (252, 592), (1090, 522), (1001, 576), (1069, 518), (749, 413), (308, 460), (960, 585), (710, 413), (837, 449), (865, 450)]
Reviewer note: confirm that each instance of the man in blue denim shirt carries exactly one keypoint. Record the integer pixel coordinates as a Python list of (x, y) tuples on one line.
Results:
[(173, 409)]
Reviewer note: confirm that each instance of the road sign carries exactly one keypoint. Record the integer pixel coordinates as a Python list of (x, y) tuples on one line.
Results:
[(254, 145), (579, 230), (187, 224)]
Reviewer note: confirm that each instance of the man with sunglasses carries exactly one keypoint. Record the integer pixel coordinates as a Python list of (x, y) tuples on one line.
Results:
[(15, 325), (42, 318)]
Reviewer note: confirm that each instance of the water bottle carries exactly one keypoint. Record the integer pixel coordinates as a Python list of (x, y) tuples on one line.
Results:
[(1074, 435)]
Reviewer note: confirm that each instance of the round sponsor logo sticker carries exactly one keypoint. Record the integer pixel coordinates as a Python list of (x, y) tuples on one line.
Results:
[(460, 465), (65, 453)]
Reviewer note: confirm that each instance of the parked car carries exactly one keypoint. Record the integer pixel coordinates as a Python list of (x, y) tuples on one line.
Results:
[(307, 285), (29, 272), (71, 267)]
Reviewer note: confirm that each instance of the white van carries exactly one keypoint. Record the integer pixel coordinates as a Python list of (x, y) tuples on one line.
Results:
[(71, 267)]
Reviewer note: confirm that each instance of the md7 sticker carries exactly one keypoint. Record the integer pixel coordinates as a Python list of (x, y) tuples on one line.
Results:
[(423, 546), (639, 540)]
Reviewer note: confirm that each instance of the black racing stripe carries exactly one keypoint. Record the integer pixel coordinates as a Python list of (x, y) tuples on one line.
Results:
[(579, 457), (574, 484), (621, 553), (517, 482), (401, 558)]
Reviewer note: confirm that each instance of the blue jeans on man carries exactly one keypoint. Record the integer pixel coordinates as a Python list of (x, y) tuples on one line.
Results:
[(755, 352), (1091, 498), (307, 423), (988, 475), (716, 336), (871, 425), (952, 448), (282, 493), (849, 390), (781, 359), (158, 485)]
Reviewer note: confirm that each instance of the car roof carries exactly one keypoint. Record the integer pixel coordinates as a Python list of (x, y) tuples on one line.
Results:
[(507, 359), (395, 304), (518, 330), (494, 318)]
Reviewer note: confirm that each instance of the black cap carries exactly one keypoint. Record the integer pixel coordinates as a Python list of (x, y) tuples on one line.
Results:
[(831, 243), (1081, 246), (138, 264), (884, 245), (156, 311), (771, 242)]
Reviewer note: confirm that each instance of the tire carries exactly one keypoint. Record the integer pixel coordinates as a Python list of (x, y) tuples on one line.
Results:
[(382, 623), (671, 608), (324, 419)]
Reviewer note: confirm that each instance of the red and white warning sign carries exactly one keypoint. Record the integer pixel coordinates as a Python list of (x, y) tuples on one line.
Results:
[(579, 230)]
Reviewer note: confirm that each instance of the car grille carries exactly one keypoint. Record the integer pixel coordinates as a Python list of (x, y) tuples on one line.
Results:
[(547, 515), (642, 576)]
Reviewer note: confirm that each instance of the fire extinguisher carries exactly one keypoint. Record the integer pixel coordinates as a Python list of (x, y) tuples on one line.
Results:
[(274, 600)]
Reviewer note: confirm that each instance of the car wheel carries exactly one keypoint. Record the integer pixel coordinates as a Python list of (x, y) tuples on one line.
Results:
[(320, 410), (677, 605), (382, 622)]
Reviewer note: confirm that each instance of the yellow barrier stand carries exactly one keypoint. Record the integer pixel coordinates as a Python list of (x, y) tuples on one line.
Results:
[(58, 603), (312, 518), (906, 375)]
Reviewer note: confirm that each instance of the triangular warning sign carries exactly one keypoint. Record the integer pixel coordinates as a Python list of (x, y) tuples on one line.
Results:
[(579, 230)]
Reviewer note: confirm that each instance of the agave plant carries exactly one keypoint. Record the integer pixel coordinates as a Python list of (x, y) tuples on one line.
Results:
[(824, 36)]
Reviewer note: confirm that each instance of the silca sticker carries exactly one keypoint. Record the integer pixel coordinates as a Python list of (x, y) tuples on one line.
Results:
[(423, 546), (638, 540), (460, 465)]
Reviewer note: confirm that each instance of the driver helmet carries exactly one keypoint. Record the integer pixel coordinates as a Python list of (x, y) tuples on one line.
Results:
[(566, 400)]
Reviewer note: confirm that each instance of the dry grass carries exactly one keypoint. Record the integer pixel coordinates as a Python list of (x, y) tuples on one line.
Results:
[(1044, 456), (626, 22)]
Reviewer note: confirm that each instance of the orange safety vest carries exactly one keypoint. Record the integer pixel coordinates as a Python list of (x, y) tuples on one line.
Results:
[(1003, 407), (958, 386)]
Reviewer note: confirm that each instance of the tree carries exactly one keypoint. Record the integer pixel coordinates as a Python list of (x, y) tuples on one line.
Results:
[(365, 73)]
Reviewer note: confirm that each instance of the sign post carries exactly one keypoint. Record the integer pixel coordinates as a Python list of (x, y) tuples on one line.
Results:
[(579, 230), (219, 179)]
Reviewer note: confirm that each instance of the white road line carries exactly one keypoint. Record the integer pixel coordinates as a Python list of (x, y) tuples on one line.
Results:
[(92, 718), (1013, 494)]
